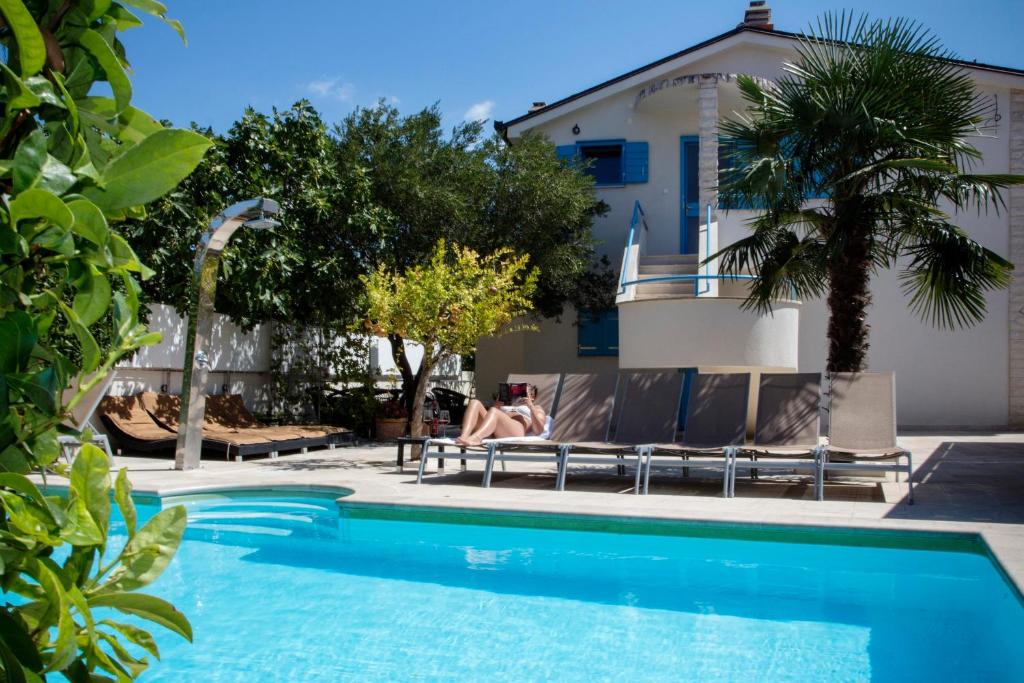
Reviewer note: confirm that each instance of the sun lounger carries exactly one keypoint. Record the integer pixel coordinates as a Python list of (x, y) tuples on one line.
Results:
[(133, 427), (647, 412), (225, 430), (862, 428), (787, 428), (548, 389), (81, 418), (716, 423), (585, 405)]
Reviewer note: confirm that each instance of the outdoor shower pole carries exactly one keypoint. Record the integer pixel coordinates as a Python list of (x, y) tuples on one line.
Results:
[(252, 213)]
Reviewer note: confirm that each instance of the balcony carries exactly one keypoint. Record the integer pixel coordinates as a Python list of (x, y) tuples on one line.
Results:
[(676, 310)]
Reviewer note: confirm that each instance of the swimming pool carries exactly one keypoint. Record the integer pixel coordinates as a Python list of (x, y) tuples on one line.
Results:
[(282, 587)]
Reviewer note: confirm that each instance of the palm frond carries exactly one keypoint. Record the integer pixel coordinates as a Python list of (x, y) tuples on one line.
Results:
[(948, 275)]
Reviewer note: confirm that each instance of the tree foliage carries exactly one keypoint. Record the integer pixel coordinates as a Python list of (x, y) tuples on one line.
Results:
[(449, 303), (71, 164), (874, 116), (378, 191)]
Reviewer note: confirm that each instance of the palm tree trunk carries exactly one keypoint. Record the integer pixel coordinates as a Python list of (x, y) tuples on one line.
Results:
[(848, 301)]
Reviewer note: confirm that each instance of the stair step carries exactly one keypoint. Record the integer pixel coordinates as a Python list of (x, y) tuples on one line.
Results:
[(658, 269), (674, 288), (667, 259), (649, 296)]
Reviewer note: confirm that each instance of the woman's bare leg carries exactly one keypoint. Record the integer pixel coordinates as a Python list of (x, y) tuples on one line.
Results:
[(495, 424), (475, 412)]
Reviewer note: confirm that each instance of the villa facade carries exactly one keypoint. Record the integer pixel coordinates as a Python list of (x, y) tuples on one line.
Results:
[(652, 138)]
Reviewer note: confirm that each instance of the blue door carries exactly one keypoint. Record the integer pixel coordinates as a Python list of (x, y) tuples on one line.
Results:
[(689, 195)]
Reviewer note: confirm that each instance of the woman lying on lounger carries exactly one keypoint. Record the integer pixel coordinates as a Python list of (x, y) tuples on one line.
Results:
[(522, 418)]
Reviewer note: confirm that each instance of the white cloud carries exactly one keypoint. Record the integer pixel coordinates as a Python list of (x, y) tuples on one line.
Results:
[(331, 88), (394, 100), (480, 110)]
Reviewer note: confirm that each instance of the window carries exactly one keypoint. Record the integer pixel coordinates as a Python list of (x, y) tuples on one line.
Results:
[(605, 163), (610, 162), (597, 333)]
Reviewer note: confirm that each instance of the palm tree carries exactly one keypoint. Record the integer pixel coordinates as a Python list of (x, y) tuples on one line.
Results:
[(875, 117)]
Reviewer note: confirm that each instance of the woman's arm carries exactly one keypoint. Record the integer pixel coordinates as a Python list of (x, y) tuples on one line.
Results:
[(537, 416)]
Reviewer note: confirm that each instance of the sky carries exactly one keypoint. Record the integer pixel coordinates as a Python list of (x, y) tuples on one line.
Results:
[(476, 60)]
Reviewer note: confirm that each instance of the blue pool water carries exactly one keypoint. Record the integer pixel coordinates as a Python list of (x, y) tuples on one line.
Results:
[(286, 589)]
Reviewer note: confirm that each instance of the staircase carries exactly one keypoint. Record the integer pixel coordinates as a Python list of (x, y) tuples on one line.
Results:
[(666, 265)]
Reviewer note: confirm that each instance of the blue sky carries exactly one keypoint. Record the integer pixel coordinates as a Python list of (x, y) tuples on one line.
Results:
[(478, 60)]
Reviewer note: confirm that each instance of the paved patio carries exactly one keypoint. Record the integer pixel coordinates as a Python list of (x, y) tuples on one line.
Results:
[(964, 482)]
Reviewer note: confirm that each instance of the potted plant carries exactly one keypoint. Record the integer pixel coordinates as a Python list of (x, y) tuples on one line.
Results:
[(391, 420)]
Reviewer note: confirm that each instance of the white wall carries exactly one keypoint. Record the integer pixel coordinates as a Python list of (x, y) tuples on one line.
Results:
[(238, 359)]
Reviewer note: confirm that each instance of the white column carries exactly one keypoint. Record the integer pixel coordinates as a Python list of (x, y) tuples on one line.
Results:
[(708, 173)]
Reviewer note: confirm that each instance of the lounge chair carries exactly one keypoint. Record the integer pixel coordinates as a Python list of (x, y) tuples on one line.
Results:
[(862, 428), (585, 405), (548, 389), (716, 423), (647, 412), (787, 428), (81, 418), (221, 433), (133, 427)]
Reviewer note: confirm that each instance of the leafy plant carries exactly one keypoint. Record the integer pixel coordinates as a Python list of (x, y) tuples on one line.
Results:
[(875, 117), (72, 163), (448, 304)]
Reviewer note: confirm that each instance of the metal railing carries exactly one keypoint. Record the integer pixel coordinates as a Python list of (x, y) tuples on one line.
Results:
[(697, 279), (635, 242)]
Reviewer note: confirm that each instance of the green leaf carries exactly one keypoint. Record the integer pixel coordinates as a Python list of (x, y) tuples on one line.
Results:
[(158, 10), (140, 637), (123, 497), (148, 607), (93, 297), (40, 388), (80, 528), (19, 95), (149, 170), (123, 255), (124, 318), (131, 125), (14, 672), (90, 222), (91, 354), (17, 339), (14, 635), (101, 50), (43, 89), (147, 554), (90, 481), (29, 159), (31, 49), (40, 203)]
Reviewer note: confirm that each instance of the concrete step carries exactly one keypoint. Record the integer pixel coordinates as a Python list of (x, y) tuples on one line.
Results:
[(665, 290), (658, 269), (667, 259)]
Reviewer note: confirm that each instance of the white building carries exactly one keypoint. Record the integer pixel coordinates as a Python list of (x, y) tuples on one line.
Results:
[(653, 136)]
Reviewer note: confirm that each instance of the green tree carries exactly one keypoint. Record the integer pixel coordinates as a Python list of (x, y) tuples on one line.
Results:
[(448, 304), (877, 118), (480, 193), (72, 163)]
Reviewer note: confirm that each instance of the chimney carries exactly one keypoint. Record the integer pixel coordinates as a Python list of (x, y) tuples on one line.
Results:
[(758, 15), (538, 105)]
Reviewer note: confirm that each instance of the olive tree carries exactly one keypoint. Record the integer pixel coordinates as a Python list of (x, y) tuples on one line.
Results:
[(448, 304)]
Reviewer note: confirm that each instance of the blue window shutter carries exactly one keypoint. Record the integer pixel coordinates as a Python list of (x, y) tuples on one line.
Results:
[(611, 330), (634, 162), (597, 334), (565, 152)]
